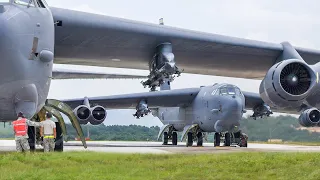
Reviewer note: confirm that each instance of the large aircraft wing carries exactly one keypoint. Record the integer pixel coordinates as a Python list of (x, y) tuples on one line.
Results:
[(172, 98), (252, 99), (63, 73), (91, 39)]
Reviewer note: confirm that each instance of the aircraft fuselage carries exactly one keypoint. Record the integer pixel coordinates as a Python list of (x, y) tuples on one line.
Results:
[(212, 110), (26, 38)]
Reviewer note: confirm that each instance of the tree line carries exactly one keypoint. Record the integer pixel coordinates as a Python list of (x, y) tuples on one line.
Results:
[(280, 127)]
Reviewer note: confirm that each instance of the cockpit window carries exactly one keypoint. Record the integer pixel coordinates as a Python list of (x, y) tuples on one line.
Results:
[(229, 90), (238, 92), (25, 2), (223, 91)]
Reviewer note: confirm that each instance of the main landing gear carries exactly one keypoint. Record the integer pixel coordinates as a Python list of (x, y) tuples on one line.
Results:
[(226, 139), (192, 136), (170, 135)]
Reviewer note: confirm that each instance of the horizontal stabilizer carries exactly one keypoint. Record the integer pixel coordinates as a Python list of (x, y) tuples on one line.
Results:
[(65, 73)]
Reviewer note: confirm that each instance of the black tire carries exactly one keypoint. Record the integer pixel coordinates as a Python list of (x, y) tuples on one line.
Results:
[(200, 139), (227, 139), (174, 138), (189, 139), (165, 138), (216, 139), (32, 138), (59, 139)]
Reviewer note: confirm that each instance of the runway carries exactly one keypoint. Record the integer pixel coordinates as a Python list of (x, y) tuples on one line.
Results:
[(158, 148)]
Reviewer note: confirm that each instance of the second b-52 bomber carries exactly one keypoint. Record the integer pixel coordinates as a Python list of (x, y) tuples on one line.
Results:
[(192, 111)]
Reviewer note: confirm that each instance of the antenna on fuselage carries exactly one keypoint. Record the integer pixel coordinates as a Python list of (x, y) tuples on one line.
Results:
[(161, 21)]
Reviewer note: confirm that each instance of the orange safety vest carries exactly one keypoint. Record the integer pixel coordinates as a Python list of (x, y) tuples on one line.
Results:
[(20, 127)]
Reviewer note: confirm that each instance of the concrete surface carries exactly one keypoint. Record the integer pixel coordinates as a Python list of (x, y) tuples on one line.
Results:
[(158, 148)]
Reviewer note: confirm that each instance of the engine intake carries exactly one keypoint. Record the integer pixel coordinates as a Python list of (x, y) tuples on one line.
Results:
[(82, 112), (287, 84), (295, 79), (98, 115), (95, 115), (309, 117)]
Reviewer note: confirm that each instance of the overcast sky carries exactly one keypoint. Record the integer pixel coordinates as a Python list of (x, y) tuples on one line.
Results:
[(266, 20)]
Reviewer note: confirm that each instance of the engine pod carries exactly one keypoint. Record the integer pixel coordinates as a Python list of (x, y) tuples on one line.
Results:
[(98, 115), (310, 117), (82, 113), (287, 84)]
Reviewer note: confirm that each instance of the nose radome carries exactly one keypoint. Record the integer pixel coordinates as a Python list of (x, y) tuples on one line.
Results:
[(235, 105)]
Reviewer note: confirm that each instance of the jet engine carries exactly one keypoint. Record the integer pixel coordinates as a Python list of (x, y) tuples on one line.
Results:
[(95, 115), (287, 84), (310, 117), (83, 113), (98, 115)]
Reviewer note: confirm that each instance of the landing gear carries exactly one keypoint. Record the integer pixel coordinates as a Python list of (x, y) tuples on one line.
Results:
[(217, 137), (165, 138), (55, 106), (189, 139), (227, 139), (174, 138), (200, 139), (170, 134), (59, 139), (32, 138)]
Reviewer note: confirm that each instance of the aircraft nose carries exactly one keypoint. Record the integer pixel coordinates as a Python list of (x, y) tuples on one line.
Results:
[(234, 105)]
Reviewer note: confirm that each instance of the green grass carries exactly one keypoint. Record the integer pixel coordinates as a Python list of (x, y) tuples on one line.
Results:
[(92, 165)]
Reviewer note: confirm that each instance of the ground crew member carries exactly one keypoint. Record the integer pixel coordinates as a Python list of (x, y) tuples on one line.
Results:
[(48, 132), (20, 128)]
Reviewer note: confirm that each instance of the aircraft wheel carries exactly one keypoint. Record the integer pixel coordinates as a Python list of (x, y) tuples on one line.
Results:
[(165, 138), (200, 139), (216, 139), (174, 138), (189, 139), (59, 140), (227, 139), (32, 138)]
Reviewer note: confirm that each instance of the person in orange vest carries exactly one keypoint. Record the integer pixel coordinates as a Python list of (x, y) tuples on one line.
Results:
[(20, 128)]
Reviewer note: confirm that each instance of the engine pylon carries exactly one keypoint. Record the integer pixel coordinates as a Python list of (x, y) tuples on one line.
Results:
[(162, 66)]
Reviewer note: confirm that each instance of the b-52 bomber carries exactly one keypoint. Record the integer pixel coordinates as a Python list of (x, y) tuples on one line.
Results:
[(33, 36), (192, 111)]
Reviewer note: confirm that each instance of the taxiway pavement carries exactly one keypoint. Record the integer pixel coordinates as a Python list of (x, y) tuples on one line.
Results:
[(158, 148)]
